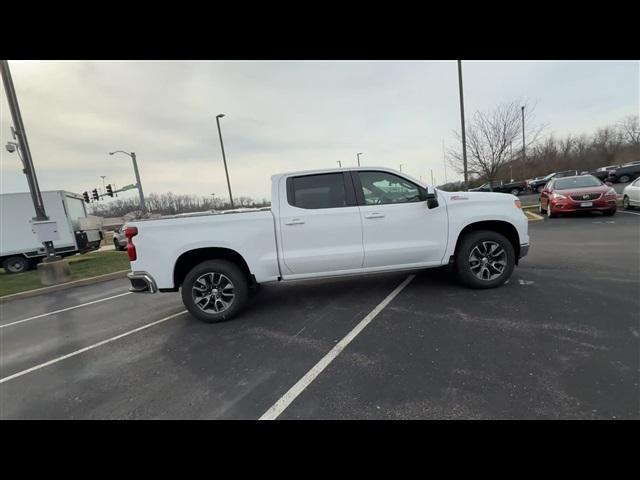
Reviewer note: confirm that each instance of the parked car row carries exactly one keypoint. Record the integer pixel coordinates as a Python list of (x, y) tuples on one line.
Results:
[(514, 188)]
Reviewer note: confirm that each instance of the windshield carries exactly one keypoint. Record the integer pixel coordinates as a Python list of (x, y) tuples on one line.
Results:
[(577, 182)]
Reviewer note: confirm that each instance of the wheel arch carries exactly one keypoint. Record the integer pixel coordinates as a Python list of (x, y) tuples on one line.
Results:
[(500, 226), (189, 259)]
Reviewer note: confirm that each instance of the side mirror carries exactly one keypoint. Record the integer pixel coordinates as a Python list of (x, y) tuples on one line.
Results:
[(431, 197)]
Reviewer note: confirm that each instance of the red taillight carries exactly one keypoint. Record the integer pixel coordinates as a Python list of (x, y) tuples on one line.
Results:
[(131, 232)]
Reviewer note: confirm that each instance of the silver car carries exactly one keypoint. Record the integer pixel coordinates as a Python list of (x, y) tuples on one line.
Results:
[(119, 240)]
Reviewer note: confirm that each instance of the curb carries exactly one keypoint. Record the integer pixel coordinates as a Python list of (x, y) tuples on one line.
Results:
[(64, 286)]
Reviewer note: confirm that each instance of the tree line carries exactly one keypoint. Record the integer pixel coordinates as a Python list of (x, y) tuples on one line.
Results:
[(494, 147), (171, 204)]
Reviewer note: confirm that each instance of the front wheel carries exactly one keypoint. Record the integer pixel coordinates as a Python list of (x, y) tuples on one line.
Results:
[(541, 210), (625, 203), (485, 259), (215, 290)]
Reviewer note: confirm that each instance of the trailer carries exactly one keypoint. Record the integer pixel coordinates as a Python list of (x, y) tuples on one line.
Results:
[(20, 249)]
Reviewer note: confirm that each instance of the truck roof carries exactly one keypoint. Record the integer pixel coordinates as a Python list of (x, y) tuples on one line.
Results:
[(278, 176)]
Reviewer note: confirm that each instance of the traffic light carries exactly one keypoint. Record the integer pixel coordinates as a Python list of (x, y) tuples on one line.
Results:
[(95, 194), (86, 197), (109, 190)]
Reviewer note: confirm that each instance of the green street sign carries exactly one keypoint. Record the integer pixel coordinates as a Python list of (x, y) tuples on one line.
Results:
[(128, 187)]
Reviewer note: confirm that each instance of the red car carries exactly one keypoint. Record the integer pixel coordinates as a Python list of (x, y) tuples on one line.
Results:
[(577, 194)]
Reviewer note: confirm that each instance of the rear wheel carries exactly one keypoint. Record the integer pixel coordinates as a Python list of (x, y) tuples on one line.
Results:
[(624, 179), (215, 290), (485, 259), (16, 264)]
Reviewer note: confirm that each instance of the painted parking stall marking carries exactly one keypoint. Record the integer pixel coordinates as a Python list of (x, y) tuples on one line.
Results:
[(90, 347), (280, 406), (17, 322)]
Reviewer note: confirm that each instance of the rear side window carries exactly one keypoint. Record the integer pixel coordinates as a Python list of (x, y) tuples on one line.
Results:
[(327, 190)]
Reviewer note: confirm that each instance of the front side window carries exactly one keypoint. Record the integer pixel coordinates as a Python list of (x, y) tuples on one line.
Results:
[(317, 191), (380, 188)]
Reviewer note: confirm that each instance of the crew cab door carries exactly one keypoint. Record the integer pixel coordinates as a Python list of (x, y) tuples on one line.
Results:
[(320, 224), (398, 228)]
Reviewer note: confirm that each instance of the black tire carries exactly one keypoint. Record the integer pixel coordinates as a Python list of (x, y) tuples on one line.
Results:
[(609, 213), (116, 244), (462, 264), (625, 203), (16, 264), (624, 179), (240, 289)]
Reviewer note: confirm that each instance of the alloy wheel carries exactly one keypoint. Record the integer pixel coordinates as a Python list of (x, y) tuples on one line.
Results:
[(487, 260), (213, 292)]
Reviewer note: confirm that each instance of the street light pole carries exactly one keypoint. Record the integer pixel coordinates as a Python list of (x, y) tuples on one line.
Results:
[(523, 151), (20, 135), (224, 158), (104, 188), (143, 207), (401, 166), (358, 155), (464, 137)]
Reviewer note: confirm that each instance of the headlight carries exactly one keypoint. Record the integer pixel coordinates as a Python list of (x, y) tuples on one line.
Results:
[(611, 192), (558, 196)]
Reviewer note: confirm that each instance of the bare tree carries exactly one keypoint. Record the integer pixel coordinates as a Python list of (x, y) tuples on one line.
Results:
[(630, 130), (489, 137)]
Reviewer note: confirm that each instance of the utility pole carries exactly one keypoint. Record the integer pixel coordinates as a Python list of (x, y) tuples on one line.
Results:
[(358, 155), (401, 166), (103, 186), (53, 269), (24, 152), (224, 158), (444, 161), (464, 137), (432, 177), (523, 151)]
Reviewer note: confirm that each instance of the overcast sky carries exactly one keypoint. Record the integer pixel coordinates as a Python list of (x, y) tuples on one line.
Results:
[(280, 116)]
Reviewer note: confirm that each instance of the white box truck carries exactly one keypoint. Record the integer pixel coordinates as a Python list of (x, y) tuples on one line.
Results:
[(20, 248)]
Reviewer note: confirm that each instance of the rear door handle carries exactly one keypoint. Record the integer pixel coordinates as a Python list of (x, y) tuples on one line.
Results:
[(294, 221), (374, 215)]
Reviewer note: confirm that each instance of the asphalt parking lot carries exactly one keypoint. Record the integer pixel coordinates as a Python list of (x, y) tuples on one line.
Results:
[(561, 340)]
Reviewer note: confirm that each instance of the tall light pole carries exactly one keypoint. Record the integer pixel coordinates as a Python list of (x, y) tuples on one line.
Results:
[(103, 185), (401, 166), (444, 161), (464, 137), (224, 158), (143, 207), (22, 146), (523, 152), (358, 155)]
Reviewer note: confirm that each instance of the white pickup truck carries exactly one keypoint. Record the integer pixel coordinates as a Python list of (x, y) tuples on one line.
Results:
[(327, 223)]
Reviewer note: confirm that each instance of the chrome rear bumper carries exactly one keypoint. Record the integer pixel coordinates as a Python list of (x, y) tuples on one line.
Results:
[(142, 282)]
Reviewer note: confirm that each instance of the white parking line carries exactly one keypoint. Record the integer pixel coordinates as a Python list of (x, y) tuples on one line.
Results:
[(630, 213), (280, 406), (90, 347), (63, 310)]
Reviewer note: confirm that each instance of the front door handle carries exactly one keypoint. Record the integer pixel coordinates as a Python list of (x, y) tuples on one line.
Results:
[(294, 221), (374, 215)]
